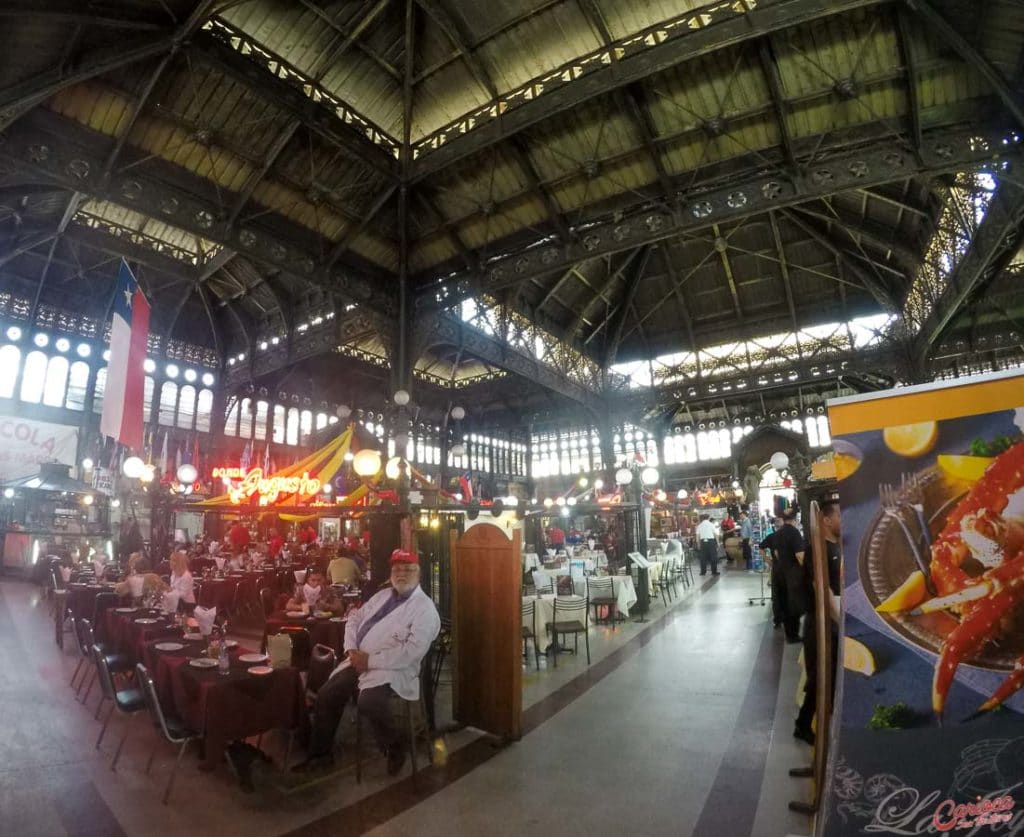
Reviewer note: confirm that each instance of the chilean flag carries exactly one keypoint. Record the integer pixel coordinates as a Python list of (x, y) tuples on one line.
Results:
[(124, 394)]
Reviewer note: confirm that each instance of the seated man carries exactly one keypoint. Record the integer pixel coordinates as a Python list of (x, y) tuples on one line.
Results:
[(385, 642), (314, 593), (343, 570)]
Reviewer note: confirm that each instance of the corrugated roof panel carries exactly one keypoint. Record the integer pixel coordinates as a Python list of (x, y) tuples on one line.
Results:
[(592, 132), (379, 251), (444, 97), (430, 251), (624, 19), (481, 229), (92, 105), (624, 174)]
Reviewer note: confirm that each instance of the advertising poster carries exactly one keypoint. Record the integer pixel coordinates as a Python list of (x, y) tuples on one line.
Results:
[(24, 444), (928, 731)]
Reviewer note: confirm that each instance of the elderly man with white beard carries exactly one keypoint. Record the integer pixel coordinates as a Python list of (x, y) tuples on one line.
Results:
[(385, 641)]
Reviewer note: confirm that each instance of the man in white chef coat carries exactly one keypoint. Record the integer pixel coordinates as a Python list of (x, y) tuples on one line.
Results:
[(385, 641)]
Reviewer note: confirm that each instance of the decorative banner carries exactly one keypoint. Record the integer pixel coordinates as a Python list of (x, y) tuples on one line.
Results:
[(25, 444), (103, 480), (928, 733)]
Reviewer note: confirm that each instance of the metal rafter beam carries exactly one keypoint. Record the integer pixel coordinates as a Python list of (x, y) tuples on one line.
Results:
[(770, 71), (868, 233), (460, 40), (521, 152), (877, 163), (784, 270), (71, 12), (625, 306), (934, 19), (994, 244), (910, 64), (316, 116), (683, 44), (51, 149), (611, 279), (355, 230)]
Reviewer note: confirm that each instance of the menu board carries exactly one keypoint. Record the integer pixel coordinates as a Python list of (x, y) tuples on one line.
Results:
[(928, 732)]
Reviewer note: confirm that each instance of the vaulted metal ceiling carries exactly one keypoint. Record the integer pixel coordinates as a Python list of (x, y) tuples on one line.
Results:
[(636, 178)]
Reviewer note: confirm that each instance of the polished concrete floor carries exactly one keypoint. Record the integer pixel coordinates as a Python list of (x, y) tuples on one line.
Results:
[(681, 726)]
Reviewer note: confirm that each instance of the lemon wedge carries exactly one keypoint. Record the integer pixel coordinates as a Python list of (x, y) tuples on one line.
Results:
[(907, 596), (966, 468), (911, 440), (857, 657)]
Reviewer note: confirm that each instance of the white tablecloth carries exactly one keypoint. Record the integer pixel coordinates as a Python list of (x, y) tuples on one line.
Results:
[(531, 561), (625, 591), (545, 609), (653, 575)]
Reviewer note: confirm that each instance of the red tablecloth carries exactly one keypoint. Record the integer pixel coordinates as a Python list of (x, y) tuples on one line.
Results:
[(321, 631), (127, 635), (228, 707), (82, 602)]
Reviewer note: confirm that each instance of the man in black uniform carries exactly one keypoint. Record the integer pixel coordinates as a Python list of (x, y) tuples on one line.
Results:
[(788, 547), (778, 587), (832, 524)]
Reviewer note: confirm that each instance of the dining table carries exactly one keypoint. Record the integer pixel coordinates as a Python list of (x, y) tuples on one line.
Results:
[(224, 707), (544, 609), (623, 587), (323, 630), (128, 629)]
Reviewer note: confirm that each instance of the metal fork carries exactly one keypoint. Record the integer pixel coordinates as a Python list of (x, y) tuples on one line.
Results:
[(914, 493), (892, 506)]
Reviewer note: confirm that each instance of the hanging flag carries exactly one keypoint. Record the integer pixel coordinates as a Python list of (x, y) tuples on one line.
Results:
[(246, 459), (466, 481), (125, 390), (163, 454), (266, 459)]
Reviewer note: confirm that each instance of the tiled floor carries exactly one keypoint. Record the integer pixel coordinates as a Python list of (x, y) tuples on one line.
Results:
[(680, 726)]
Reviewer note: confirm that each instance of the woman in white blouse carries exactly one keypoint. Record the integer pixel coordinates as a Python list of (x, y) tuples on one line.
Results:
[(181, 578)]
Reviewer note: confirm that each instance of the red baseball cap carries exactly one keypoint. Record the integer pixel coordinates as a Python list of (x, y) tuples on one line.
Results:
[(404, 556)]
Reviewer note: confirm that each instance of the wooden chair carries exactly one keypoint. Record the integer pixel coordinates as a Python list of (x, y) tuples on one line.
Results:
[(565, 620), (601, 593), (170, 727), (530, 632)]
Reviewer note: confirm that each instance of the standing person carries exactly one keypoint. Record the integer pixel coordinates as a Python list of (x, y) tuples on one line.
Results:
[(789, 548), (238, 536), (385, 641), (708, 546), (778, 588), (832, 524), (746, 533)]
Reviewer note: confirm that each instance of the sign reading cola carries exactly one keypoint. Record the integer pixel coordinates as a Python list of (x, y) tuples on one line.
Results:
[(25, 444), (269, 489)]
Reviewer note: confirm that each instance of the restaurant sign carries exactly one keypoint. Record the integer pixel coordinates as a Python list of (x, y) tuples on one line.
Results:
[(26, 444), (267, 489)]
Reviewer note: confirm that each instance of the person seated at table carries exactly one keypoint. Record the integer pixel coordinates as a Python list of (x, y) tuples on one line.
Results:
[(311, 593), (237, 561), (238, 536), (344, 570), (151, 582), (307, 535), (385, 641), (182, 582), (274, 543)]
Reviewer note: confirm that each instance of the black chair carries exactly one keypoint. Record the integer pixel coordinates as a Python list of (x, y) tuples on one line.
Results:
[(84, 659), (322, 662), (416, 725), (169, 726), (128, 702), (566, 620), (530, 632), (601, 593), (114, 662), (302, 646), (268, 599), (102, 603)]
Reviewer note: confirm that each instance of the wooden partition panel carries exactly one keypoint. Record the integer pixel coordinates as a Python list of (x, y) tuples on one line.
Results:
[(487, 629)]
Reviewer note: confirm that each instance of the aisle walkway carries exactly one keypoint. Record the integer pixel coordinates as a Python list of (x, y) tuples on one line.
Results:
[(684, 729)]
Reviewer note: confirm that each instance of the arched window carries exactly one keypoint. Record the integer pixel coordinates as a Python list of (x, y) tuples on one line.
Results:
[(168, 403), (321, 421), (305, 426), (279, 421), (56, 385), (148, 386), (101, 388), (34, 378), (10, 360), (187, 407), (262, 408), (292, 429), (78, 383), (204, 410), (231, 422), (245, 419)]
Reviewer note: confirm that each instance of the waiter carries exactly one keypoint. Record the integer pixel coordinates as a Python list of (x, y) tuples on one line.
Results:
[(385, 642), (789, 548), (707, 545)]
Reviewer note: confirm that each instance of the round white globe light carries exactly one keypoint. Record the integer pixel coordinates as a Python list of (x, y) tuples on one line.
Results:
[(458, 450), (63, 344), (623, 476), (560, 501), (649, 475), (14, 333), (87, 464), (88, 499), (735, 483), (779, 461), (149, 365), (8, 493), (148, 474), (571, 501), (133, 467), (393, 469), (171, 370), (115, 503), (84, 350), (548, 502), (598, 484), (187, 473), (565, 512), (660, 496), (343, 411), (511, 501), (366, 463), (207, 379), (583, 482), (41, 340), (682, 494), (458, 413), (401, 397), (327, 488), (190, 375)]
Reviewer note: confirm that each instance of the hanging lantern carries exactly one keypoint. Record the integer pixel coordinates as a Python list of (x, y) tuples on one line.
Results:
[(133, 467), (366, 463), (649, 476), (401, 397), (393, 468), (458, 413), (343, 411), (187, 474), (623, 476), (779, 461)]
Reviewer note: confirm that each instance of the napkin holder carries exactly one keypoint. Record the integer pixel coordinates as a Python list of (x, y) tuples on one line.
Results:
[(279, 649)]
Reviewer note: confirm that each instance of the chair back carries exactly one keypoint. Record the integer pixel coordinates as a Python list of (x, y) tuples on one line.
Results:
[(529, 609), (571, 607), (156, 711), (88, 638), (102, 603), (267, 600), (103, 672), (80, 641), (604, 588), (322, 661), (55, 577)]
